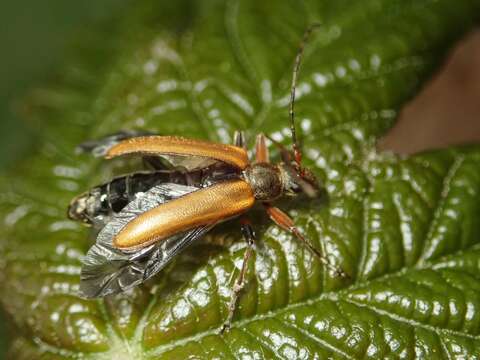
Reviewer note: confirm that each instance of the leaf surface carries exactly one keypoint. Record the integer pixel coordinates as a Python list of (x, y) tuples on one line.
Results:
[(406, 229)]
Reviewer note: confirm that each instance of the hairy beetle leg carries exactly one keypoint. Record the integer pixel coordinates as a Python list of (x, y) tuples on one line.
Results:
[(239, 284), (239, 139), (261, 150), (285, 154), (286, 223)]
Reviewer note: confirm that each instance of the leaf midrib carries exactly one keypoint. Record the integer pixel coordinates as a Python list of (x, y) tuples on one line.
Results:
[(332, 296)]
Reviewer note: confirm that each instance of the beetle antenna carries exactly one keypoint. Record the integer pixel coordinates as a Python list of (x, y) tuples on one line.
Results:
[(298, 59)]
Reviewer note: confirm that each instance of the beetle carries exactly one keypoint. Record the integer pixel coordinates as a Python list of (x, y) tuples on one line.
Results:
[(146, 218)]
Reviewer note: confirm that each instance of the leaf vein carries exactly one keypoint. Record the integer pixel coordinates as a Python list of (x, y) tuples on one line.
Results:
[(428, 250), (317, 340), (411, 322)]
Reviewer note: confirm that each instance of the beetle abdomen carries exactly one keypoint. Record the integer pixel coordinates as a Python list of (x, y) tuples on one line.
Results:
[(210, 205), (97, 205)]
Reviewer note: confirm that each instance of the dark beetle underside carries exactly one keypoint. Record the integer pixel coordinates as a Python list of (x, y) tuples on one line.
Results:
[(97, 206)]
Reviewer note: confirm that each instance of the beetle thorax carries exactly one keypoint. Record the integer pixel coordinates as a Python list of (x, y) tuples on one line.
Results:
[(265, 180)]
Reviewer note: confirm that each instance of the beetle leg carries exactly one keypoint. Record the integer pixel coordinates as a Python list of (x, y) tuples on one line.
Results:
[(261, 149), (286, 223), (285, 154), (249, 236), (239, 139)]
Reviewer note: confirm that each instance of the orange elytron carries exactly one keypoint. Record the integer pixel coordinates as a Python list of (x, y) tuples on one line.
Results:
[(204, 206)]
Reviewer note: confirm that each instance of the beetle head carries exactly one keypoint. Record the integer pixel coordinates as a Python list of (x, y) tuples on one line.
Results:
[(299, 180)]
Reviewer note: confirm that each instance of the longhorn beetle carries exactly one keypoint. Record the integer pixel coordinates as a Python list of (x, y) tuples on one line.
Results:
[(145, 219)]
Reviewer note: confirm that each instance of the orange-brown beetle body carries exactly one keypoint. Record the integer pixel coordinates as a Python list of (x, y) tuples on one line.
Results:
[(145, 219)]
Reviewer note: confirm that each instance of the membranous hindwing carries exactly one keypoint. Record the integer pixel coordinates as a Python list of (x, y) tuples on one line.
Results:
[(107, 269)]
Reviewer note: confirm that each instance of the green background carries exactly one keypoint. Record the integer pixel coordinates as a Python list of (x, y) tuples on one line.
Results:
[(34, 37), (418, 195)]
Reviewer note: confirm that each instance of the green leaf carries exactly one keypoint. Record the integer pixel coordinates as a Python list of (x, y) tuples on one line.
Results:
[(406, 229)]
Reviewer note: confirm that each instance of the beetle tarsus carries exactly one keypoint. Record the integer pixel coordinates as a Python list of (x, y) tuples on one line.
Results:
[(225, 328), (249, 236), (335, 270)]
